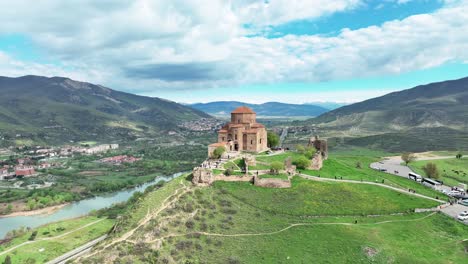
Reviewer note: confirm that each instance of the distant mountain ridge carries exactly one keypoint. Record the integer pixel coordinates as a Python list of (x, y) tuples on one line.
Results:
[(58, 109), (266, 109), (440, 104)]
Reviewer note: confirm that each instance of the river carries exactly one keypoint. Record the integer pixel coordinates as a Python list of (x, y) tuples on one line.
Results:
[(76, 209)]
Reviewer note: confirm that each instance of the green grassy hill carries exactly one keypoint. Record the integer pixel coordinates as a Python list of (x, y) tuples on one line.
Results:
[(240, 223), (442, 104), (59, 109), (424, 118)]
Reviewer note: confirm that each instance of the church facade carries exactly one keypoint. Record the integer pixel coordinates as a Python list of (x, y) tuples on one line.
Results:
[(243, 133)]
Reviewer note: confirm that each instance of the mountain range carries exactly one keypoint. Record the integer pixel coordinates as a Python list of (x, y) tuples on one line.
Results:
[(270, 109), (423, 118), (58, 109), (440, 104)]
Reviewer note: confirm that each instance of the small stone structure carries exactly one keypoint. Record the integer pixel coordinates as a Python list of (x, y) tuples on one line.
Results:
[(289, 167), (202, 176), (250, 160)]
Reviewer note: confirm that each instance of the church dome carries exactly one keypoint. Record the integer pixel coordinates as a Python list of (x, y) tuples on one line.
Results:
[(243, 110)]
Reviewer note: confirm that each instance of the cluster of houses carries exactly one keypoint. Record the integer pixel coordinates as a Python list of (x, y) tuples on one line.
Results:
[(26, 167), (38, 152), (23, 168), (117, 160), (203, 124)]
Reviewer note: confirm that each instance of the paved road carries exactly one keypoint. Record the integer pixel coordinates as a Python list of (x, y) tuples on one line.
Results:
[(77, 251), (283, 136), (454, 210), (393, 166)]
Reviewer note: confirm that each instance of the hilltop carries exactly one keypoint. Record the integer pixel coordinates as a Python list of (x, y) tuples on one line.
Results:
[(57, 110), (441, 104)]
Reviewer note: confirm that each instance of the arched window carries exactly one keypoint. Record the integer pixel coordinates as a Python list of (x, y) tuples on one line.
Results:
[(251, 142)]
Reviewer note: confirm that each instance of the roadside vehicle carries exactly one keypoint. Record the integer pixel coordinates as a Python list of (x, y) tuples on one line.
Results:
[(432, 183), (453, 193), (464, 202), (463, 216), (415, 177)]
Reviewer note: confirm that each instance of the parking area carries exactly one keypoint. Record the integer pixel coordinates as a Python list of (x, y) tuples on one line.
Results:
[(454, 210)]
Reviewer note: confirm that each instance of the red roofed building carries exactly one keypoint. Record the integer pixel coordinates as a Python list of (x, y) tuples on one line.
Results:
[(22, 171), (243, 133)]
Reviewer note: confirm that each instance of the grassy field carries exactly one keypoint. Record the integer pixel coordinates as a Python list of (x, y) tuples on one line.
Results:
[(353, 164), (55, 239), (452, 171), (308, 197), (274, 176), (241, 223)]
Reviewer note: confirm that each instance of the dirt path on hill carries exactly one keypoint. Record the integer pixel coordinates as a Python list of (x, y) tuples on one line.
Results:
[(51, 238), (315, 178), (289, 227), (150, 215)]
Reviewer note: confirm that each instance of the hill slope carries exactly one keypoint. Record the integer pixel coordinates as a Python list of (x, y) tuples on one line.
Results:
[(442, 104), (266, 109), (59, 109)]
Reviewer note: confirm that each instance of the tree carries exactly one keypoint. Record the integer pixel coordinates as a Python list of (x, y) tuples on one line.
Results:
[(7, 260), (218, 152), (272, 139), (408, 157), (431, 170), (302, 163), (459, 155), (358, 165), (300, 149), (275, 167)]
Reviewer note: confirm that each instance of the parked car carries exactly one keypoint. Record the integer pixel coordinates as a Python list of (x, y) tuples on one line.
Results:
[(463, 216), (453, 193), (464, 202)]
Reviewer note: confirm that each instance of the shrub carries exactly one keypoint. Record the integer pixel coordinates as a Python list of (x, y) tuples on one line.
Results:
[(302, 163), (276, 166), (218, 152), (229, 172)]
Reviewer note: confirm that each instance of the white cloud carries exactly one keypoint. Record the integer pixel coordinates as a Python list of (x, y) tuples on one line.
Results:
[(148, 45)]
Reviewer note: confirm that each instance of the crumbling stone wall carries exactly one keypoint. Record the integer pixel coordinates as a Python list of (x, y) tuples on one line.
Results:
[(202, 176), (317, 161), (321, 145)]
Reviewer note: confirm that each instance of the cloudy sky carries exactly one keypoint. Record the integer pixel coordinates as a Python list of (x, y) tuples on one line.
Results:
[(256, 51)]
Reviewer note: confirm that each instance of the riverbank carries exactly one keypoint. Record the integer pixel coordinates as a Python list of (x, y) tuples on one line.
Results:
[(43, 211)]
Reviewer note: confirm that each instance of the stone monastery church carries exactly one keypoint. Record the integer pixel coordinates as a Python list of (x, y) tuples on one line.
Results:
[(243, 133)]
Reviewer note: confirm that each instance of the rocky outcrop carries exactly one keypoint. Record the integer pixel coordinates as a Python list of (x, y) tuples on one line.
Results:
[(202, 176)]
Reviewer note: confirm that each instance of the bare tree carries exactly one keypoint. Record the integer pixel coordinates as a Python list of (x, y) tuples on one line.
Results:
[(431, 170), (408, 157)]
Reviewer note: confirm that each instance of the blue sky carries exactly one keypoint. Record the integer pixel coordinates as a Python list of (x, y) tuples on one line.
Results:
[(248, 50)]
